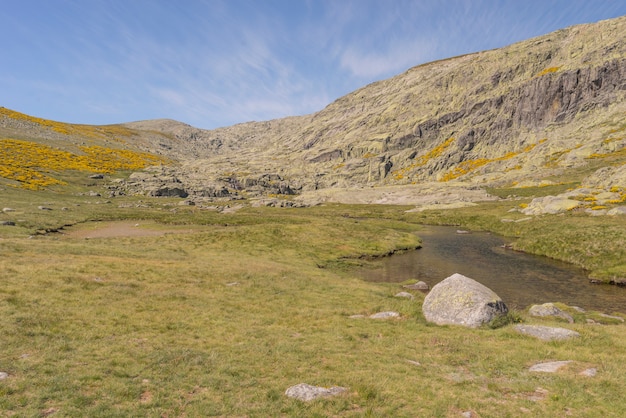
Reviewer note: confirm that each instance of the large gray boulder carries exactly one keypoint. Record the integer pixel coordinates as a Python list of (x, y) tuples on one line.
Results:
[(459, 300)]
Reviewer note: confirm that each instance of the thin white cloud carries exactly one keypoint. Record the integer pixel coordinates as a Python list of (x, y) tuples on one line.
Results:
[(386, 63)]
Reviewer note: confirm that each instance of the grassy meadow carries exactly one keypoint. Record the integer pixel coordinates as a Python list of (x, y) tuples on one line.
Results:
[(221, 313)]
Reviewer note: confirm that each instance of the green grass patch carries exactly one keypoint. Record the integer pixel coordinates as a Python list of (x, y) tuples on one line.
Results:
[(221, 313)]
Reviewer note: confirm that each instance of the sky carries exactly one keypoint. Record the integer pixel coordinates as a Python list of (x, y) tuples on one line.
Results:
[(214, 63)]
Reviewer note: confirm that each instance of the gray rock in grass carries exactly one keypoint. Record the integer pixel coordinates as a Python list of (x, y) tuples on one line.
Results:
[(547, 333), (306, 392), (459, 300)]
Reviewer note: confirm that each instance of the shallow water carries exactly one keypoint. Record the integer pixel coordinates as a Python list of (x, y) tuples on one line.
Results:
[(519, 279)]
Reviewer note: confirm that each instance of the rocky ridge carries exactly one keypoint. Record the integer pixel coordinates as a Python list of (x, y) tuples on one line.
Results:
[(535, 112), (528, 112)]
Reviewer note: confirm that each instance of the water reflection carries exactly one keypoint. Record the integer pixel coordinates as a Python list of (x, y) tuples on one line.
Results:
[(519, 279)]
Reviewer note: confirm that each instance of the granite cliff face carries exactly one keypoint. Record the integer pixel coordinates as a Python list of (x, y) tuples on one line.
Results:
[(527, 112), (534, 112)]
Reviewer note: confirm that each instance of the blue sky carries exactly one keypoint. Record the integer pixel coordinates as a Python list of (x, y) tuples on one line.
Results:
[(213, 63)]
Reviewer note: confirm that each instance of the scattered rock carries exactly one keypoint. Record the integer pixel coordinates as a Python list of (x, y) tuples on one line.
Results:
[(94, 194), (462, 231), (186, 203), (550, 204), (538, 395), (591, 372), (306, 392), (5, 210), (546, 333), (97, 176), (417, 286), (49, 411), (405, 295), (43, 208), (549, 367), (3, 375), (548, 309), (384, 315), (413, 362), (459, 300), (7, 223), (620, 210), (357, 316), (619, 318)]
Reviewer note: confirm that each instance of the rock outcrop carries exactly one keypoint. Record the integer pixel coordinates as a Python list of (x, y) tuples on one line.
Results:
[(459, 300)]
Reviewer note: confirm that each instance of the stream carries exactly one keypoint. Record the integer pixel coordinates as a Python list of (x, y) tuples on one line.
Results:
[(520, 279)]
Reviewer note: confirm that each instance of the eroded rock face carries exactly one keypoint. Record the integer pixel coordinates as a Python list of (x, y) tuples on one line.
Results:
[(459, 300)]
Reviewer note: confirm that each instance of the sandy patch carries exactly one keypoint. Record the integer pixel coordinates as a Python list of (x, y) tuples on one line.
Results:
[(122, 229)]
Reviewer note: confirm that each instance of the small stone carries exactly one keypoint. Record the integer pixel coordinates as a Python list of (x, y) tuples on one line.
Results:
[(546, 333), (357, 316), (549, 367), (591, 372), (5, 210), (306, 392), (417, 286), (44, 208), (619, 318), (548, 309), (385, 315), (404, 295), (96, 176), (3, 375), (7, 223)]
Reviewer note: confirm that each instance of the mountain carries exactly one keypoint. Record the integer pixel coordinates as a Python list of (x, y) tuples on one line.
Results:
[(543, 111)]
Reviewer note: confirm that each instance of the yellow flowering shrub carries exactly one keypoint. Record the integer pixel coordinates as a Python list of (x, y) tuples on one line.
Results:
[(89, 131), (32, 165), (423, 159), (548, 71)]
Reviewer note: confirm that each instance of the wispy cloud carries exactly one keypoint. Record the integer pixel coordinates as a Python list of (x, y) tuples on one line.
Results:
[(220, 62)]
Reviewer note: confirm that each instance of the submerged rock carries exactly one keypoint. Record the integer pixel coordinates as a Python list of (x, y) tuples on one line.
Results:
[(459, 300)]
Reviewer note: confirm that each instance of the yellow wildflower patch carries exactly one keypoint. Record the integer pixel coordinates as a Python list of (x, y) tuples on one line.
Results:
[(423, 159), (90, 131), (31, 164), (548, 71)]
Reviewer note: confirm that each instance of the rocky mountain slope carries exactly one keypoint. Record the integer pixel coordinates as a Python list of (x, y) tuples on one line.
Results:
[(549, 109)]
